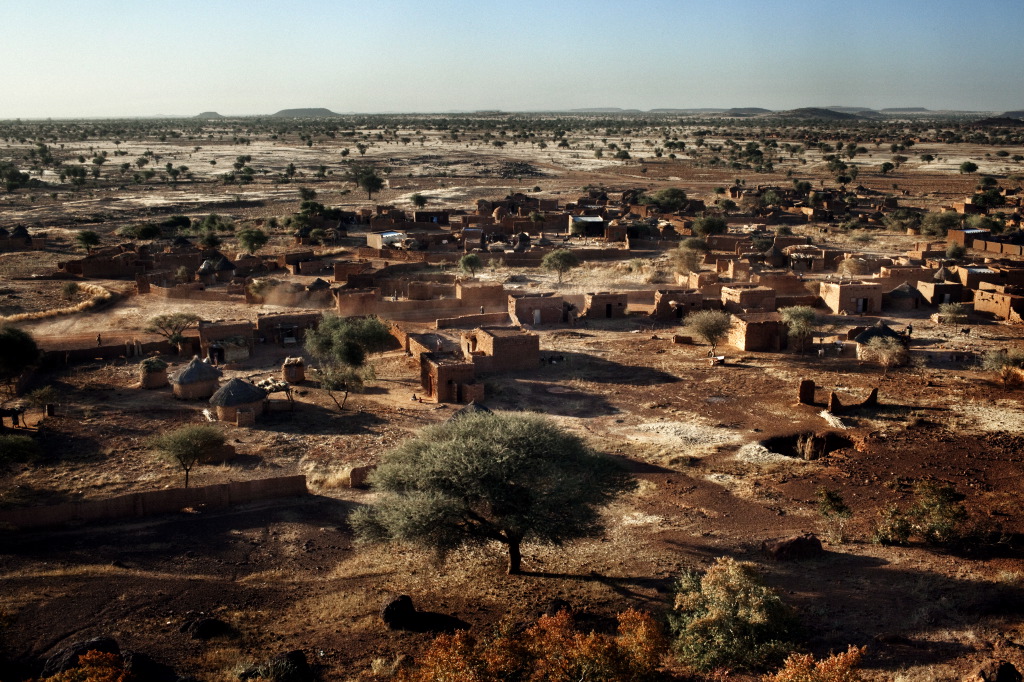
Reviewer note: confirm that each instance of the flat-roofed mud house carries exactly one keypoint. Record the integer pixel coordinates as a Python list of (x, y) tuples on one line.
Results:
[(501, 349), (758, 332), (852, 297), (536, 309), (605, 306), (447, 378)]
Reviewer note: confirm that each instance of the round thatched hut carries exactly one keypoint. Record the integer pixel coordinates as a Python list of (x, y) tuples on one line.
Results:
[(237, 395), (207, 272), (196, 380)]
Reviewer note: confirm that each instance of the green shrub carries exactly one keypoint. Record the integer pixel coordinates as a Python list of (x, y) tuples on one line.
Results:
[(17, 448), (727, 618), (892, 527), (938, 516)]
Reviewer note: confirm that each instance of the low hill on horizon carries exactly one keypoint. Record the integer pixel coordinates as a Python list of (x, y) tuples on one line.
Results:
[(209, 114), (312, 112), (816, 113)]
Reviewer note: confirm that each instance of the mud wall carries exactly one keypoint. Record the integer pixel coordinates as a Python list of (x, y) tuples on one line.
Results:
[(155, 502)]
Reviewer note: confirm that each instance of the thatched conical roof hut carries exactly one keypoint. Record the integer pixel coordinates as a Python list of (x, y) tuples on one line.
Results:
[(196, 380), (236, 395)]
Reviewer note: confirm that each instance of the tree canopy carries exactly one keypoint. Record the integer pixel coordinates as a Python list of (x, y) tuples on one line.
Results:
[(171, 326), (340, 345), (703, 227), (560, 261), (669, 200), (710, 325), (188, 445), (366, 178), (483, 477), (801, 321), (18, 351), (252, 240), (470, 263)]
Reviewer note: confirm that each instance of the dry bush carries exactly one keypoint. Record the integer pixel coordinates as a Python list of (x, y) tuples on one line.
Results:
[(95, 666), (552, 650), (727, 618), (97, 295), (835, 668)]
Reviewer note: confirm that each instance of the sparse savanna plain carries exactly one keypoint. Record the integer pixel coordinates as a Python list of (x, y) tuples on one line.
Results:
[(250, 232)]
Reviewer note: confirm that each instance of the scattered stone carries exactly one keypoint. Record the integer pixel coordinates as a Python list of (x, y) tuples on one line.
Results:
[(797, 547), (67, 658), (398, 613), (995, 671)]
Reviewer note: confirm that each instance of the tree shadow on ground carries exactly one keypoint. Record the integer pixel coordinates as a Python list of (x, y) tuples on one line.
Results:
[(310, 418), (628, 587)]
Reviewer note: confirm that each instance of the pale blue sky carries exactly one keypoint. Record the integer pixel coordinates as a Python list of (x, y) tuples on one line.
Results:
[(147, 57)]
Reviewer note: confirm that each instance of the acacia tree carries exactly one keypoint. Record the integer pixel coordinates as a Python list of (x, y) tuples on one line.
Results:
[(87, 239), (366, 178), (687, 257), (252, 240), (172, 326), (340, 345), (188, 445), (470, 263), (710, 325), (418, 200), (509, 478), (703, 227), (560, 261), (953, 313), (887, 352), (18, 351), (801, 322)]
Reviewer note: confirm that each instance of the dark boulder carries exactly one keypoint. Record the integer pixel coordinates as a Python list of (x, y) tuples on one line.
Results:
[(67, 658), (288, 667), (141, 667), (793, 548), (398, 613), (995, 671)]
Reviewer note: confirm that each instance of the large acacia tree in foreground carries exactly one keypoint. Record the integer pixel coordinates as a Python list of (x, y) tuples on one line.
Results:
[(507, 477)]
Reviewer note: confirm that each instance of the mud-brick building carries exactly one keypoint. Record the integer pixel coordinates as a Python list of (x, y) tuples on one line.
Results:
[(226, 340), (480, 293), (446, 378), (501, 349), (1004, 303), (605, 306), (758, 332), (742, 298), (939, 292), (852, 297), (536, 309), (675, 304)]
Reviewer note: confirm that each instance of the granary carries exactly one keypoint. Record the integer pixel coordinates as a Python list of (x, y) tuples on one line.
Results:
[(225, 269), (195, 381), (207, 272), (238, 396), (879, 330), (903, 297)]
